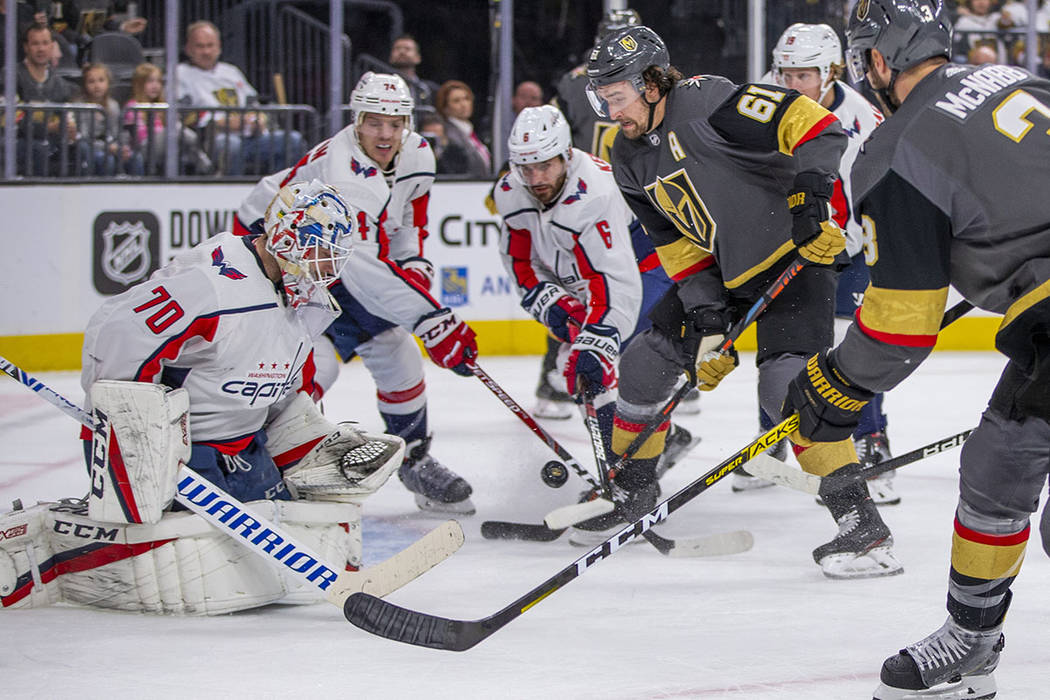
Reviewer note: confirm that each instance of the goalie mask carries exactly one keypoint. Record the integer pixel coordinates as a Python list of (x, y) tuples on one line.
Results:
[(383, 93), (808, 46), (308, 231), (538, 135), (622, 57)]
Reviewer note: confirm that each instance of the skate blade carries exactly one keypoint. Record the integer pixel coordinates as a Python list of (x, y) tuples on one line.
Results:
[(875, 563), (427, 505), (969, 688)]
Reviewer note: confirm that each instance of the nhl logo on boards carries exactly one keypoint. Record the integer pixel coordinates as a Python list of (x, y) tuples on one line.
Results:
[(126, 249)]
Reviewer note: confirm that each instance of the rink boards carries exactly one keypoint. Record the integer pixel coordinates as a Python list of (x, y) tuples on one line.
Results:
[(69, 247)]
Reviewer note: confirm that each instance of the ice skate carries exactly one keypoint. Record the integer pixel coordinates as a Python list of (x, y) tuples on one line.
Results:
[(872, 449), (598, 529), (744, 481), (863, 547), (954, 662), (678, 444), (690, 404), (553, 404), (436, 487)]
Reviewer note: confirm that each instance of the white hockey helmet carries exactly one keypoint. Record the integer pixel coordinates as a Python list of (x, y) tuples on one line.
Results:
[(808, 46), (309, 230), (539, 134), (383, 93)]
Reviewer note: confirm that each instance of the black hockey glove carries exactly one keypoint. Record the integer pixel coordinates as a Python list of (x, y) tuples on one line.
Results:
[(828, 406), (817, 236)]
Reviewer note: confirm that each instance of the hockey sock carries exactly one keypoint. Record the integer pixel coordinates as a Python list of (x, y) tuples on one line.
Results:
[(409, 426), (986, 557), (872, 419)]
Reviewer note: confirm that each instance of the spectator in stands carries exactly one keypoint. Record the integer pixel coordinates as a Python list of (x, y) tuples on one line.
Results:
[(527, 94), (148, 128), (405, 58), (25, 15), (234, 138), (450, 157), (978, 25), (979, 55), (44, 132), (108, 144), (1015, 14), (455, 103), (77, 21), (1043, 69)]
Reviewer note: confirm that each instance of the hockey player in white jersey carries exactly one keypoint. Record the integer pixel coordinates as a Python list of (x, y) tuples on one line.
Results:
[(808, 58), (565, 239), (385, 169), (209, 363)]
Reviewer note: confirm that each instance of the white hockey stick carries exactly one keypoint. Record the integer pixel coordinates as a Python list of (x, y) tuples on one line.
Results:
[(268, 540), (772, 469)]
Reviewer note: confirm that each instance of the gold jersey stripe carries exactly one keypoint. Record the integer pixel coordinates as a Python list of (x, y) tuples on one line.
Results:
[(680, 256), (760, 267), (986, 561), (1024, 303), (903, 312), (798, 121)]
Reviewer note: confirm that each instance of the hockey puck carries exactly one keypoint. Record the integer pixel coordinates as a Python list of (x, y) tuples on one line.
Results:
[(554, 474)]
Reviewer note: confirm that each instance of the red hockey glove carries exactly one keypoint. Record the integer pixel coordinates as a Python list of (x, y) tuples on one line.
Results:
[(449, 342)]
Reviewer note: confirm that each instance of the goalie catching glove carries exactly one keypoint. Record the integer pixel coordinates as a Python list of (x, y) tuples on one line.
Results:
[(449, 342), (828, 406), (704, 334), (817, 236), (550, 305), (591, 368)]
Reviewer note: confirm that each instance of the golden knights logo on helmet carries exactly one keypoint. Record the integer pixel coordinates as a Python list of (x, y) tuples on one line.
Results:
[(629, 44), (862, 9)]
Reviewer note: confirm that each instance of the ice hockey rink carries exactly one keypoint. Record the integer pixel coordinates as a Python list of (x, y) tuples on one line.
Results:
[(762, 624)]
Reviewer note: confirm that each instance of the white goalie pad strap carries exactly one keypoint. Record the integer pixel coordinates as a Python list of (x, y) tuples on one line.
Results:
[(181, 565), (142, 435), (347, 464), (295, 429)]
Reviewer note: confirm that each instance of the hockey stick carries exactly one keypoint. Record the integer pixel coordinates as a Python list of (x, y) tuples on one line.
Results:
[(267, 539), (772, 469), (385, 619), (778, 472), (535, 427), (565, 516), (739, 541)]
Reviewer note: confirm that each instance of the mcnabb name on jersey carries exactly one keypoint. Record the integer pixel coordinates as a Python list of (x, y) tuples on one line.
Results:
[(976, 88)]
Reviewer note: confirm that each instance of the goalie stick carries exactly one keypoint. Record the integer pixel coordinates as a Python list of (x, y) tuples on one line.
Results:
[(772, 469), (384, 619), (568, 515), (267, 539)]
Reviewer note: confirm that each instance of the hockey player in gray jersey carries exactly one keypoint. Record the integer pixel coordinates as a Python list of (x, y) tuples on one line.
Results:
[(952, 192), (731, 183)]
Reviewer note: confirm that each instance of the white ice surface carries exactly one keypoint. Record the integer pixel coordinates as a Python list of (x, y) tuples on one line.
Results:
[(764, 624)]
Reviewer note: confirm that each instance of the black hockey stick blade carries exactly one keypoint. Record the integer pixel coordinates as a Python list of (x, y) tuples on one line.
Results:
[(503, 530), (384, 619)]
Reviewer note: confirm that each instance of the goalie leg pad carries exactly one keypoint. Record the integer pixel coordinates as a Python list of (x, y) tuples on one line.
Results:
[(142, 436), (182, 565)]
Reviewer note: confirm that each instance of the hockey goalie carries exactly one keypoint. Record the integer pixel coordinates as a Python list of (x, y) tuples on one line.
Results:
[(207, 364)]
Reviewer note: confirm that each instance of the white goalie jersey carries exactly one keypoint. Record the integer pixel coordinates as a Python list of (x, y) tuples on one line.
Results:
[(197, 324), (392, 218), (580, 243)]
